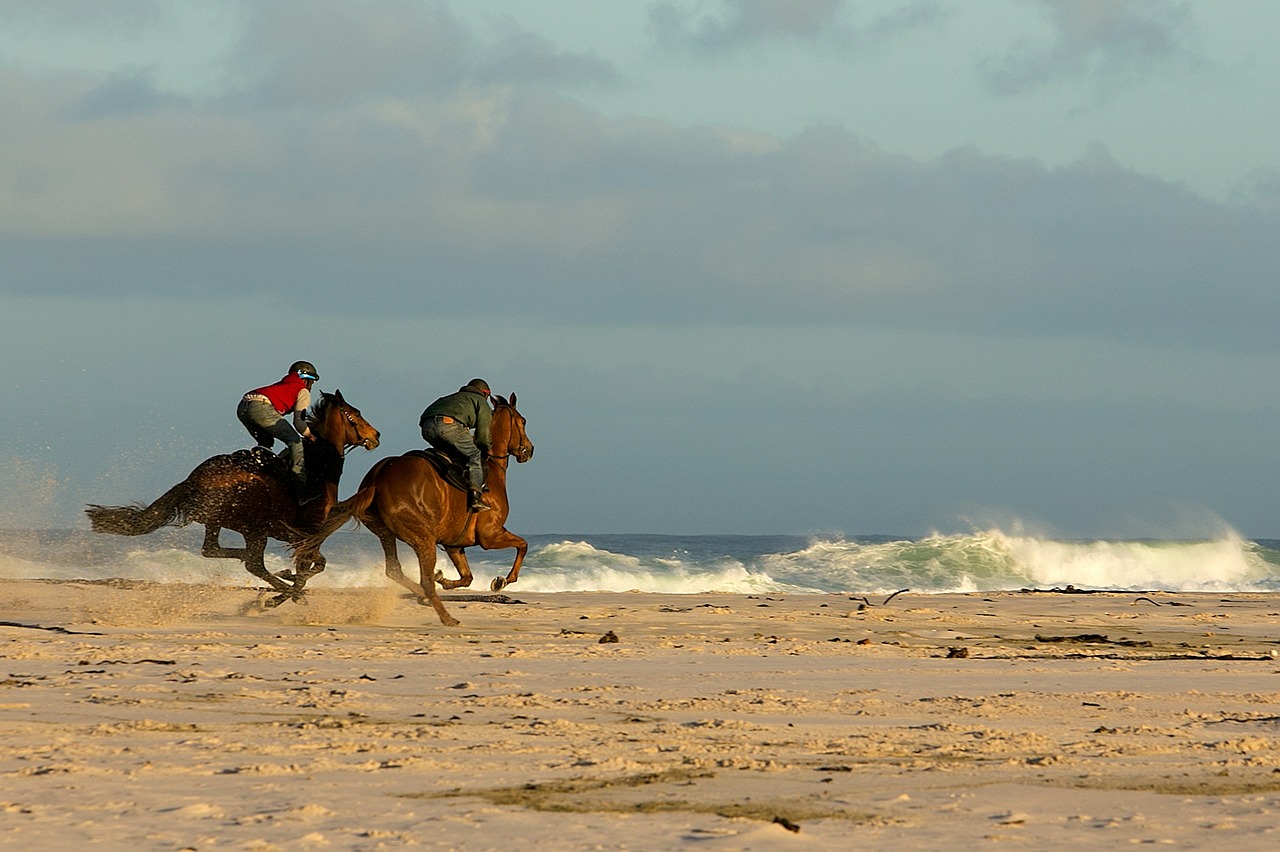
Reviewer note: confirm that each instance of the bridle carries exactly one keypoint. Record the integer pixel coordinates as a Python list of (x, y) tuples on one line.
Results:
[(520, 421), (355, 427)]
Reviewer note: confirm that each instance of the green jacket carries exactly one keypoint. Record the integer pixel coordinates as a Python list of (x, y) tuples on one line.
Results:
[(469, 408)]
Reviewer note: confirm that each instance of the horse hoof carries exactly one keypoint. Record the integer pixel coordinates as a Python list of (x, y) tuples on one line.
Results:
[(298, 596), (439, 576), (498, 584)]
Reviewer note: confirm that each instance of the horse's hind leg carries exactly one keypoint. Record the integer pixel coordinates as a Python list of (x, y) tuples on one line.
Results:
[(213, 549), (458, 557), (394, 572), (426, 552)]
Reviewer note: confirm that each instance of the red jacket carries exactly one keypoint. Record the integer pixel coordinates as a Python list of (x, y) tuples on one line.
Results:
[(284, 393)]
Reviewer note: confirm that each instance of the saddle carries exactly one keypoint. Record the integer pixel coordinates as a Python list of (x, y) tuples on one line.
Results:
[(261, 460), (451, 470)]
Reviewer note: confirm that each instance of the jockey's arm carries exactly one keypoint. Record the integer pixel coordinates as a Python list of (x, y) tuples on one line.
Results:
[(300, 406)]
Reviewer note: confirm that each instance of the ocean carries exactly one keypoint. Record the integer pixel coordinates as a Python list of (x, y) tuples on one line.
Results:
[(986, 560)]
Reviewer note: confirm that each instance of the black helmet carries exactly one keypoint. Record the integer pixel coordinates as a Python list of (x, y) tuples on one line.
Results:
[(477, 385), (306, 370)]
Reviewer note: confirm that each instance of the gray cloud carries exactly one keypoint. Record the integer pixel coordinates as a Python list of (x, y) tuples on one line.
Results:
[(330, 52), (1113, 40), (123, 95), (298, 52), (1261, 189), (909, 17), (521, 58), (122, 16), (744, 22), (441, 192), (495, 197)]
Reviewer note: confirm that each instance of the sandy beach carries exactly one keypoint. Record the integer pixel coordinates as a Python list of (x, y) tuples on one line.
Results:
[(163, 716)]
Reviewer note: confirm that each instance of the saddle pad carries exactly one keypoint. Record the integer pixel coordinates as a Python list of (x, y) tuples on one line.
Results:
[(448, 468)]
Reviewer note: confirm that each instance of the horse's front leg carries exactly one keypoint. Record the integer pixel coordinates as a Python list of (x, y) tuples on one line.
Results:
[(254, 548), (306, 566), (500, 541), (458, 556)]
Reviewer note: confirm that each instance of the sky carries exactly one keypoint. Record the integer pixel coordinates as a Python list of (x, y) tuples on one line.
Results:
[(816, 267)]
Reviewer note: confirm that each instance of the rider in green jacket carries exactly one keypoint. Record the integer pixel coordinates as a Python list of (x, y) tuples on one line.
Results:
[(446, 425)]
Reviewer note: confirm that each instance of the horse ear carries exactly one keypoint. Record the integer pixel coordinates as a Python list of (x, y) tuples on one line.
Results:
[(337, 394), (512, 399)]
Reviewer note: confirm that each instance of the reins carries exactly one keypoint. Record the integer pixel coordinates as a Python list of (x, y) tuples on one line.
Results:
[(360, 442), (346, 448), (508, 454)]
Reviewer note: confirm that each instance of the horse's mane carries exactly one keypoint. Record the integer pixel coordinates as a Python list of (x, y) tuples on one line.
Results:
[(315, 414)]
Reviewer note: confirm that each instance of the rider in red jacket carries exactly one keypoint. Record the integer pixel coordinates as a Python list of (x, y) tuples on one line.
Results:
[(262, 412)]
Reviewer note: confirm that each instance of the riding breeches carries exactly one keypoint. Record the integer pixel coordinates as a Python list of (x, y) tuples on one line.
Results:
[(456, 439), (266, 425)]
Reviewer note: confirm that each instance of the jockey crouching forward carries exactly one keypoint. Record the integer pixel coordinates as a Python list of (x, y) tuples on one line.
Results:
[(446, 425), (262, 411)]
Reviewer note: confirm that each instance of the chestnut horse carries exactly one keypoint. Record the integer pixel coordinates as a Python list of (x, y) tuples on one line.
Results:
[(406, 498), (246, 491)]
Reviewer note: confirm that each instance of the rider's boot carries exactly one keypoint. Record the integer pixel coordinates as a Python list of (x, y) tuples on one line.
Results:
[(475, 501), (302, 494)]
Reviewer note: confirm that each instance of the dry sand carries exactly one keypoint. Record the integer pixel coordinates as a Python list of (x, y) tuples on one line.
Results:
[(147, 716)]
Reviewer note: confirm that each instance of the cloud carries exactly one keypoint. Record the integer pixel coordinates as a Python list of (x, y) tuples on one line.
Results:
[(324, 52), (909, 17), (122, 16), (741, 23), (1260, 189), (1111, 40), (122, 95), (333, 52), (522, 58), (532, 204), (410, 187)]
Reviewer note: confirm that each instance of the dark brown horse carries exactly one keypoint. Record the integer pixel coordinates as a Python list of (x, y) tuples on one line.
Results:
[(406, 498), (246, 492)]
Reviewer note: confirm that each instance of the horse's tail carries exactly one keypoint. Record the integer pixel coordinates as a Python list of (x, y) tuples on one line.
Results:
[(170, 509), (349, 509)]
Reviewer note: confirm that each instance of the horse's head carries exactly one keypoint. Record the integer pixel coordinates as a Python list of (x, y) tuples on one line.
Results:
[(342, 423), (510, 424)]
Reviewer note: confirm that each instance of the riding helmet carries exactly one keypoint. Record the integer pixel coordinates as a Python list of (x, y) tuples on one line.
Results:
[(477, 385), (305, 370)]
